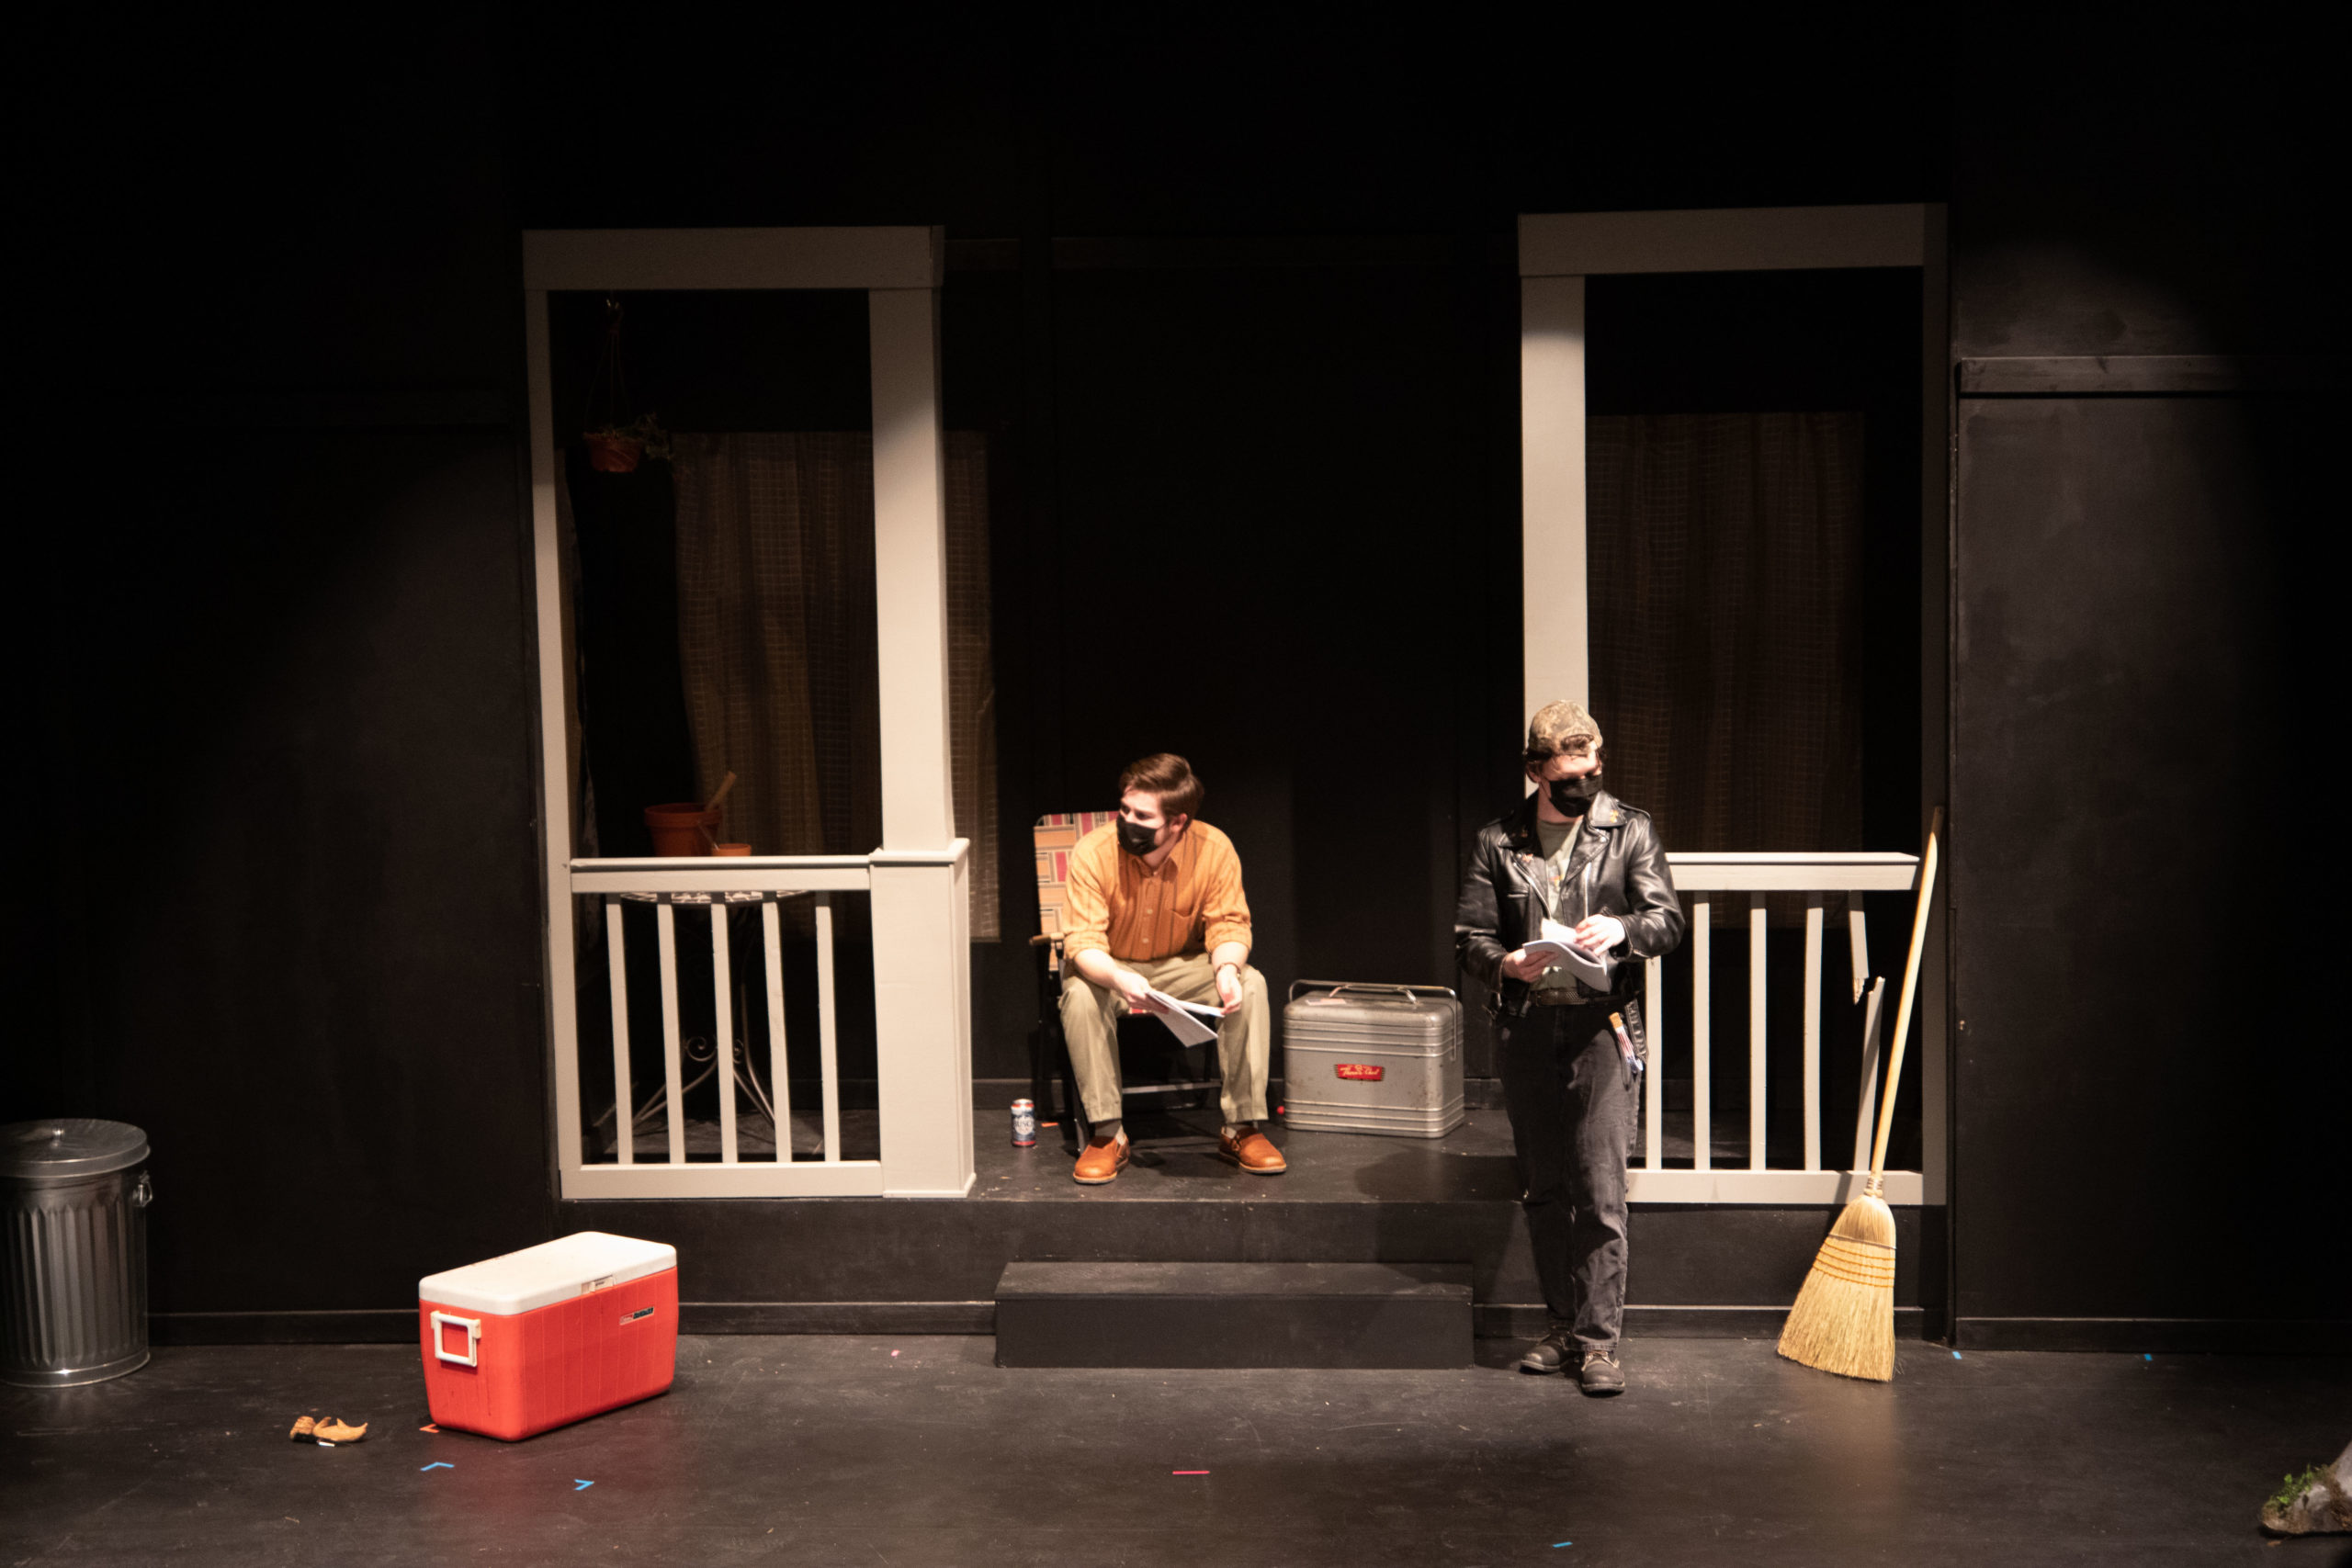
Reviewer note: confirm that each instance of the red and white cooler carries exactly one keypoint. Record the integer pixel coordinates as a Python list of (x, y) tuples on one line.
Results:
[(550, 1334)]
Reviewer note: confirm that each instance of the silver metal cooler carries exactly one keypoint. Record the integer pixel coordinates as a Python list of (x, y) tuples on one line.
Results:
[(1364, 1059), (73, 1197)]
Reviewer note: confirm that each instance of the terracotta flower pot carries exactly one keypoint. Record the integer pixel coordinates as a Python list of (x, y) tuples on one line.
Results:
[(615, 453), (682, 827)]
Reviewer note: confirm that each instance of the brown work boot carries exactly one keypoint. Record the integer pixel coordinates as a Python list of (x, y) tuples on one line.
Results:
[(1101, 1160), (1251, 1150)]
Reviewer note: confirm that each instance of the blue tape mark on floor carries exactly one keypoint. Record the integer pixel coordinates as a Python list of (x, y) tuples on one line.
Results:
[(579, 1485), (2147, 1358), (1955, 1355), (438, 1464), (1557, 1544)]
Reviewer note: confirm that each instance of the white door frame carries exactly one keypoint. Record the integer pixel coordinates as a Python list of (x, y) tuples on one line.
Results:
[(923, 1017), (1557, 251)]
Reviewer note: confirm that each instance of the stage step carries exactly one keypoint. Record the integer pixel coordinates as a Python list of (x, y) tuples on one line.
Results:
[(1233, 1314)]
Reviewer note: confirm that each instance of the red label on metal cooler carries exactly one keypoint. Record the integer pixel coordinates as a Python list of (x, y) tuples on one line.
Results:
[(1363, 1071)]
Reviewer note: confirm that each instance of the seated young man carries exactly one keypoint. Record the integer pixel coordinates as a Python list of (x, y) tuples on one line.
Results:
[(1155, 903)]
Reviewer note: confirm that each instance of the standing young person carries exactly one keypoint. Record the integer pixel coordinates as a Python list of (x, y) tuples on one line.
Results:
[(1575, 863)]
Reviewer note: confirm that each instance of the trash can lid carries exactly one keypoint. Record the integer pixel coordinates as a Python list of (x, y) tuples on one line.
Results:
[(69, 1146)]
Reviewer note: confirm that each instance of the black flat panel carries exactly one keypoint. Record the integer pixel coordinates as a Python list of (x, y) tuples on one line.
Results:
[(388, 1325), (1234, 1281), (305, 924), (2149, 1083), (837, 1317), (1233, 1314), (1347, 1199)]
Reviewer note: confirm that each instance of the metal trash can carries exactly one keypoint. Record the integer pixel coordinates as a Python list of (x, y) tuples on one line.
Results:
[(74, 1195)]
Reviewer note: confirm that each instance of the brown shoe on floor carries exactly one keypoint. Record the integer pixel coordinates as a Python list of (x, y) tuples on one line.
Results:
[(1252, 1151), (1101, 1161)]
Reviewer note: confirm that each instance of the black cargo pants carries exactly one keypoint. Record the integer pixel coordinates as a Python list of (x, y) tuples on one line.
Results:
[(1572, 1117)]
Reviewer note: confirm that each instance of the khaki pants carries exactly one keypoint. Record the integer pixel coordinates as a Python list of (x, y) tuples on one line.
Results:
[(1244, 1041)]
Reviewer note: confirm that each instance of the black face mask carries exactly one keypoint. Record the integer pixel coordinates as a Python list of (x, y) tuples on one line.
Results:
[(1136, 839), (1572, 798)]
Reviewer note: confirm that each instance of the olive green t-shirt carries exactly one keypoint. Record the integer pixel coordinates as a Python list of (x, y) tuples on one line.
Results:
[(1558, 841)]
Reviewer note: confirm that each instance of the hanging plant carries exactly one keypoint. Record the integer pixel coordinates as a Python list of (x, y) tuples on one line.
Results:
[(615, 447)]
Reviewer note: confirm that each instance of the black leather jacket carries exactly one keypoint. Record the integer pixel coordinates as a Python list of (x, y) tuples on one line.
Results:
[(1618, 868)]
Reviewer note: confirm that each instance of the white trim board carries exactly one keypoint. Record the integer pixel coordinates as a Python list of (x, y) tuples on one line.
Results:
[(1556, 623), (752, 1178), (1904, 1187)]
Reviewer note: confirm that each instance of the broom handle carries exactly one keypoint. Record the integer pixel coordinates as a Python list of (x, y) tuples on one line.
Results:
[(1910, 990)]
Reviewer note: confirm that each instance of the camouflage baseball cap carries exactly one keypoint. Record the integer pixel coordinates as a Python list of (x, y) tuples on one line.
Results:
[(1560, 726)]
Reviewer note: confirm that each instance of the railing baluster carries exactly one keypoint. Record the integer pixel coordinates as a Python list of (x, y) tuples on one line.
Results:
[(722, 986), (1702, 1083), (1857, 937), (665, 923), (825, 1036), (1866, 1108), (779, 1095), (1653, 1087), (1756, 1102), (1813, 1030), (624, 1091)]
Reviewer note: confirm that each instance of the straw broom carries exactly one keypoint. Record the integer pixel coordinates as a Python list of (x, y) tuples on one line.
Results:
[(1844, 1319)]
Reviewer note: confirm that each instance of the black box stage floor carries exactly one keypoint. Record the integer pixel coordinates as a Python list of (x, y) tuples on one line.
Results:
[(823, 1449), (1233, 1314)]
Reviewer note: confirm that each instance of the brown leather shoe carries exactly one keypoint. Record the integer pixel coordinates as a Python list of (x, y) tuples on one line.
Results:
[(1252, 1151), (1101, 1161)]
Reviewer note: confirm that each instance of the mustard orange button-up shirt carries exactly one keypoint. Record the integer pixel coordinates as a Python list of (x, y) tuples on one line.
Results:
[(1193, 903)]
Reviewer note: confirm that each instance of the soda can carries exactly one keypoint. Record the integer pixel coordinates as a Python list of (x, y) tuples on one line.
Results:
[(1025, 1124)]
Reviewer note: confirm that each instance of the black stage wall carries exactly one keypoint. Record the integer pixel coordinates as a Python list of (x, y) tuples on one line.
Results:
[(1246, 303), (273, 709), (2148, 1103)]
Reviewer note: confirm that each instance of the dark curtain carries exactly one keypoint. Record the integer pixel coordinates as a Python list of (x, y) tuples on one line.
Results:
[(776, 641), (1724, 553)]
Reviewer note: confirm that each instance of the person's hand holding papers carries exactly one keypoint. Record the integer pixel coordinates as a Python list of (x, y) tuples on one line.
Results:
[(1598, 934), (1140, 996), (1581, 952), (1526, 964)]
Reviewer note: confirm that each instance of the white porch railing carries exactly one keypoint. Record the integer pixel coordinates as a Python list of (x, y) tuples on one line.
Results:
[(922, 1016), (921, 905), (1704, 879)]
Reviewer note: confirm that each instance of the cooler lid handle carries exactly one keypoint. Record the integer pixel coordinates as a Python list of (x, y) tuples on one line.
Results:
[(1336, 987)]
